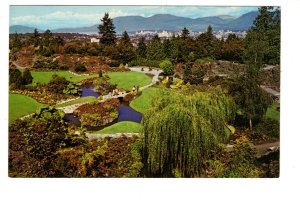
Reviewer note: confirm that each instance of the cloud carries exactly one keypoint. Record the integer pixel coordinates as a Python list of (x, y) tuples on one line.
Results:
[(85, 16), (67, 16)]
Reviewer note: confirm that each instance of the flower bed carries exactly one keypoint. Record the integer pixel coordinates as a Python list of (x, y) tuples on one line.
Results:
[(42, 95), (98, 114)]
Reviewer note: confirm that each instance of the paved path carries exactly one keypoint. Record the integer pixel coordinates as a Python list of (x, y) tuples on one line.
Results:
[(262, 149), (154, 72), (270, 91), (92, 136), (18, 66)]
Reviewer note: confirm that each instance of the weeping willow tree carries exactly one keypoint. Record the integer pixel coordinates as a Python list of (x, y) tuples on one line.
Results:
[(181, 131)]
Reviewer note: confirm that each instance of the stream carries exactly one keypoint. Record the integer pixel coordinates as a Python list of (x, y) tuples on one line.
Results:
[(126, 113)]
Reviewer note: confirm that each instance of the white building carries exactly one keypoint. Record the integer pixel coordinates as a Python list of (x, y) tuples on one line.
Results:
[(165, 34), (95, 40)]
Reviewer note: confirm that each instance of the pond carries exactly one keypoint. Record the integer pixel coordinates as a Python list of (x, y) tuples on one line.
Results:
[(89, 91), (126, 113)]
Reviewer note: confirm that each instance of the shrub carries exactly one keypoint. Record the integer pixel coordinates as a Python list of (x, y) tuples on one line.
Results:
[(114, 63), (167, 67), (91, 119), (57, 84), (143, 62), (63, 67), (15, 76), (204, 61), (80, 68), (46, 63), (72, 89), (27, 77), (121, 66), (267, 128)]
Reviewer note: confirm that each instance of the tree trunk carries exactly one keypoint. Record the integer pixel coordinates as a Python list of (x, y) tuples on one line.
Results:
[(250, 124)]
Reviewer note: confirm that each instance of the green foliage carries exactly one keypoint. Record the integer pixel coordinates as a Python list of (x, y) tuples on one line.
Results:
[(15, 42), (142, 48), (48, 63), (242, 161), (106, 30), (42, 136), (193, 75), (58, 84), (232, 49), (27, 77), (115, 157), (203, 61), (207, 44), (181, 131), (267, 24), (250, 98), (73, 89), (266, 129), (167, 67), (185, 33), (154, 50), (273, 112), (143, 62), (15, 76), (91, 119), (80, 68)]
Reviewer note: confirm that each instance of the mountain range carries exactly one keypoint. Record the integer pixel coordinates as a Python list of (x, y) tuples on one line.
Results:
[(160, 22)]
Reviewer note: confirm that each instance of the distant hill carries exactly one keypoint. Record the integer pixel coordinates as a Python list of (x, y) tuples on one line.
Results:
[(20, 29), (161, 22)]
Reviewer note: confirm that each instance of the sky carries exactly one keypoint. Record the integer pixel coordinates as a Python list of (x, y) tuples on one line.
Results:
[(51, 17)]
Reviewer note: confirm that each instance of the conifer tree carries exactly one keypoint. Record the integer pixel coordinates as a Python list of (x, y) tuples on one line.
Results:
[(107, 31)]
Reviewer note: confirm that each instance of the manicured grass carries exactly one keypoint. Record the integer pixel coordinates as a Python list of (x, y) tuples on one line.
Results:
[(45, 77), (127, 80), (143, 102), (21, 105), (121, 127), (273, 113), (76, 101)]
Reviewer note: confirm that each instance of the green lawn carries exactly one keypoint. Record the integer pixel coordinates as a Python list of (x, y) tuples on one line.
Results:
[(127, 80), (143, 102), (273, 113), (80, 100), (45, 77), (121, 127), (21, 105)]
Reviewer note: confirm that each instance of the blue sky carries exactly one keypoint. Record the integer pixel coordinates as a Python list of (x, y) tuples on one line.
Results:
[(51, 17)]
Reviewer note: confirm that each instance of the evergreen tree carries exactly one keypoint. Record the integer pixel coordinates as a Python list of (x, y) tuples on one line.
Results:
[(267, 25), (142, 48), (47, 37), (107, 31), (187, 73), (15, 76), (185, 33), (207, 44), (35, 38), (167, 48), (15, 42), (125, 38), (27, 77), (154, 49)]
